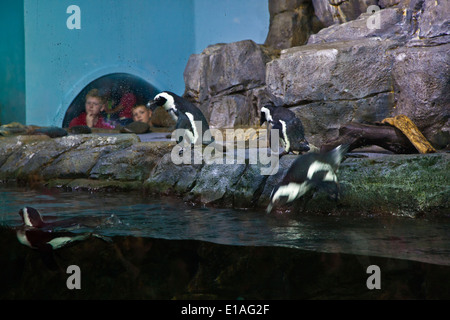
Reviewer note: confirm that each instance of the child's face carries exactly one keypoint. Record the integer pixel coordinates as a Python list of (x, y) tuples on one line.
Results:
[(93, 105), (141, 114)]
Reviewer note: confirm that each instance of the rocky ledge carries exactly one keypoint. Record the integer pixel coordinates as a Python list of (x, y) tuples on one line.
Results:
[(412, 185)]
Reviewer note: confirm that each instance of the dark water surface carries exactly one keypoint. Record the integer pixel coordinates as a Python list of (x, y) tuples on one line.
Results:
[(141, 215)]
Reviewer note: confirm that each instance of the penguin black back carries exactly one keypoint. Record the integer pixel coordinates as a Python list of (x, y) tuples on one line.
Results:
[(290, 128), (309, 171)]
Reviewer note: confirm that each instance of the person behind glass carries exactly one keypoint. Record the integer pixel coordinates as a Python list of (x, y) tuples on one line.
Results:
[(142, 114), (123, 111), (92, 117)]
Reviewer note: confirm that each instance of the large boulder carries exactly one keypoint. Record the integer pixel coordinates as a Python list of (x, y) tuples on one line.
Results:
[(291, 23), (224, 79), (333, 83), (332, 12), (422, 88), (355, 72)]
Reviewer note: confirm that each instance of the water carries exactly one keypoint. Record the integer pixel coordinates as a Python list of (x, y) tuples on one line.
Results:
[(141, 215)]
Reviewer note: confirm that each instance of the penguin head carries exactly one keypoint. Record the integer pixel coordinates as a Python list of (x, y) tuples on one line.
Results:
[(31, 217), (163, 99), (266, 114)]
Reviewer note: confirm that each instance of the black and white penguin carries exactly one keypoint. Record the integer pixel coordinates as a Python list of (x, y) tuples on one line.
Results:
[(185, 114), (48, 240), (32, 218), (290, 128), (308, 171), (40, 235)]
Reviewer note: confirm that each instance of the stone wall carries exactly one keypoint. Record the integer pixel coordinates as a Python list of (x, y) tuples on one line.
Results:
[(411, 185)]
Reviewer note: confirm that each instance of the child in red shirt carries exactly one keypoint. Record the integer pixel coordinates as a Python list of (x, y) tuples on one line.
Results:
[(92, 118)]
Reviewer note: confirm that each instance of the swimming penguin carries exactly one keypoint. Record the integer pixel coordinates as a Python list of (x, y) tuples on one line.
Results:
[(292, 134), (185, 114), (40, 235), (45, 242), (309, 171), (33, 219)]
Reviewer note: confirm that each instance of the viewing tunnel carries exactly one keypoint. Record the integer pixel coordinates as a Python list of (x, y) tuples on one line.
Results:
[(112, 87)]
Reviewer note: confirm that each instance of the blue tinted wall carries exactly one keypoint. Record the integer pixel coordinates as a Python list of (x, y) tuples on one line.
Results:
[(57, 50), (12, 62)]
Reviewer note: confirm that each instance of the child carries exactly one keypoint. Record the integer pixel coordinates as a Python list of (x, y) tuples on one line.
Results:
[(142, 114), (91, 117)]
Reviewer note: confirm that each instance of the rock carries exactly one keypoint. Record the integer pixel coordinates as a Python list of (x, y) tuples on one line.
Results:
[(430, 18), (391, 26), (406, 185), (133, 163), (167, 177), (339, 11), (79, 130), (52, 132), (333, 83), (214, 180), (331, 71), (13, 128), (291, 23), (136, 127), (421, 75), (226, 68), (216, 78)]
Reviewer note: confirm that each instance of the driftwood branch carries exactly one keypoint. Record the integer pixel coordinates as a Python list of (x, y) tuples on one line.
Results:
[(359, 135)]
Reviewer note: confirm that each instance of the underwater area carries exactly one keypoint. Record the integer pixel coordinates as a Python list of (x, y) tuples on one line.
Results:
[(165, 248)]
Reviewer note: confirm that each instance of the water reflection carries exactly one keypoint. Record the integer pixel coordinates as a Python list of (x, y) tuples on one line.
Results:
[(169, 218)]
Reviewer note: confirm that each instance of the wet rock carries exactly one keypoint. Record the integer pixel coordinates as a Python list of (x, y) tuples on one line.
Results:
[(168, 177), (215, 180)]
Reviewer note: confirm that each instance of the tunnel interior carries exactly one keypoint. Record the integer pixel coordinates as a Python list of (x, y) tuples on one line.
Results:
[(111, 87)]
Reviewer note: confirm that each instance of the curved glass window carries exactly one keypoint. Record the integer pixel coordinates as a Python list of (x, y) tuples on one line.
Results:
[(112, 88)]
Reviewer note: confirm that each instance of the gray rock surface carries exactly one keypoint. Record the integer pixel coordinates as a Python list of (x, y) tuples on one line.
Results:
[(411, 185)]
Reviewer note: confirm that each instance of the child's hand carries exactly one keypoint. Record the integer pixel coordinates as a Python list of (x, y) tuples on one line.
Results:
[(91, 119)]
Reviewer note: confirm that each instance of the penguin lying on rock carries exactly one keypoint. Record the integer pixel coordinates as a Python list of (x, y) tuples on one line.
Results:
[(308, 171), (291, 132), (185, 114)]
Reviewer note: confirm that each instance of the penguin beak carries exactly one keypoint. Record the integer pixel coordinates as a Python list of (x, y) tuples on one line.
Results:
[(263, 118), (304, 145), (152, 105)]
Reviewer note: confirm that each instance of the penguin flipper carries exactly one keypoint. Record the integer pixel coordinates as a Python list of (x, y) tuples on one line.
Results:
[(47, 255)]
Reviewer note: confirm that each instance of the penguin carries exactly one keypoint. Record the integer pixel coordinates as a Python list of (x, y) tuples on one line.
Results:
[(290, 128), (185, 114), (32, 218), (39, 235), (308, 171), (46, 241)]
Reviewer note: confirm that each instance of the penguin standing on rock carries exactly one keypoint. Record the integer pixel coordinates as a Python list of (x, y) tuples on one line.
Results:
[(185, 114), (291, 132), (311, 170)]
